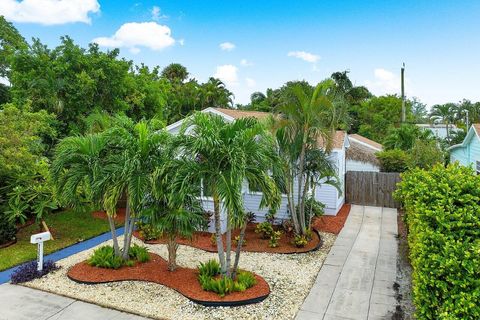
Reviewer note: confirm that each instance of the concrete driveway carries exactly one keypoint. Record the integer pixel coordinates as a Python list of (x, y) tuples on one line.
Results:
[(357, 279), (21, 303)]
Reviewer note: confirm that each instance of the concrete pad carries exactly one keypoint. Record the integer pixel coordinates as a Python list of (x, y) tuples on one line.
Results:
[(307, 315), (349, 303)]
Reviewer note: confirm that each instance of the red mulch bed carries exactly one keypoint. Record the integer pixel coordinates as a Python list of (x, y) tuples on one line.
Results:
[(332, 224), (182, 280), (119, 218), (254, 242)]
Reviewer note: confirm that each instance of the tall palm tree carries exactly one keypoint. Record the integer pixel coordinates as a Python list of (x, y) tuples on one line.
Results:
[(305, 118), (104, 166), (221, 156)]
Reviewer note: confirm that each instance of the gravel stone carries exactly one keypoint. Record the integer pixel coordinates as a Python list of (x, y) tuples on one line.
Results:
[(290, 277)]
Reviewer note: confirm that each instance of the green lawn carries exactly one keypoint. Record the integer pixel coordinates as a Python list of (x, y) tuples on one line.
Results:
[(68, 227)]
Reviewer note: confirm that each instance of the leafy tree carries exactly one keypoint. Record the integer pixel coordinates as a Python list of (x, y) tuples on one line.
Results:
[(175, 72), (10, 42), (215, 94), (419, 111), (102, 167), (220, 156), (404, 137), (378, 114), (394, 160), (425, 154), (306, 117), (23, 137)]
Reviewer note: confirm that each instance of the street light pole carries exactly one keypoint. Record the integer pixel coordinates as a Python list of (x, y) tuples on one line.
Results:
[(403, 91)]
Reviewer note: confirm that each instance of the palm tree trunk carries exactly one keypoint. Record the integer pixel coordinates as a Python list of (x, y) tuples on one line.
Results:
[(238, 249), (291, 202), (113, 231), (128, 230), (300, 203), (229, 245), (218, 233), (172, 247), (304, 195)]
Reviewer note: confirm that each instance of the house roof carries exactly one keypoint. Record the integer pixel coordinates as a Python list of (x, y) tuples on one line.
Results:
[(339, 139), (365, 141), (360, 152), (237, 114), (473, 131)]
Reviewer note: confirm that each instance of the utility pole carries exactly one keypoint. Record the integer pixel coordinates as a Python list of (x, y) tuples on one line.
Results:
[(402, 77)]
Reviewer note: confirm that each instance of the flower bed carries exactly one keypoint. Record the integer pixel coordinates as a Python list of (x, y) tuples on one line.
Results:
[(290, 278), (182, 280), (332, 224), (253, 243)]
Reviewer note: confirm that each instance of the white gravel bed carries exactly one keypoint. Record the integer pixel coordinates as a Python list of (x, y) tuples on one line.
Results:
[(290, 277)]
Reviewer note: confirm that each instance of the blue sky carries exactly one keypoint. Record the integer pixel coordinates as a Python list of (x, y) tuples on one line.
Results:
[(266, 43)]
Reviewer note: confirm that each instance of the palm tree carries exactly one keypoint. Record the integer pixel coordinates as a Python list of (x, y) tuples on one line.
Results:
[(306, 117), (221, 156), (105, 166), (444, 113)]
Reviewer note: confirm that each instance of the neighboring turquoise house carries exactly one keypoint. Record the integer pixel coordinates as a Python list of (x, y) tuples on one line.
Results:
[(468, 152)]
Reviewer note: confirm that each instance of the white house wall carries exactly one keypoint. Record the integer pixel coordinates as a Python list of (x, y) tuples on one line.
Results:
[(354, 165)]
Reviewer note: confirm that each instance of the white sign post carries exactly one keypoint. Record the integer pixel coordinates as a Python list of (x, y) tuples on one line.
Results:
[(39, 239)]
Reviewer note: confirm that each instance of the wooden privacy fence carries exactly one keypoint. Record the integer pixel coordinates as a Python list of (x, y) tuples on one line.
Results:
[(371, 188)]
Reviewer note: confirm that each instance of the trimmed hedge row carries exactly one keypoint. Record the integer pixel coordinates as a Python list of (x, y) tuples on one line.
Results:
[(443, 218)]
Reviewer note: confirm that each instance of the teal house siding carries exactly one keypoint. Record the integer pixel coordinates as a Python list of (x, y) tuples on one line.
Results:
[(468, 152)]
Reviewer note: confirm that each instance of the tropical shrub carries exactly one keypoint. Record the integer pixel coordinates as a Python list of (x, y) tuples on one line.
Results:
[(104, 257), (300, 241), (236, 240), (393, 160), (139, 253), (7, 229), (270, 216), (314, 208), (265, 229), (28, 271), (443, 217), (147, 230), (274, 237), (210, 279)]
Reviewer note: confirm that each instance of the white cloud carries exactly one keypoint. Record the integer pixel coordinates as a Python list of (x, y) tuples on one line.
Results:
[(157, 14), (227, 46), (49, 12), (227, 73), (385, 82), (181, 42), (246, 63), (306, 56), (139, 34), (250, 82)]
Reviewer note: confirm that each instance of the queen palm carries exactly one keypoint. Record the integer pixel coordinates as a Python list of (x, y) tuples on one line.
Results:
[(305, 118), (107, 165), (221, 156), (444, 113)]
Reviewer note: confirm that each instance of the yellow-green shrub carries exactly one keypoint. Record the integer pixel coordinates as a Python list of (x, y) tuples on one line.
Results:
[(443, 217)]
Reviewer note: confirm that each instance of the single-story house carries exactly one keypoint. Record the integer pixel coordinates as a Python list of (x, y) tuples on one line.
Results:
[(328, 195), (468, 152), (361, 154)]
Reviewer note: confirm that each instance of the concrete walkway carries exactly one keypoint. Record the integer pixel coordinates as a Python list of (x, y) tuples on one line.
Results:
[(21, 303), (356, 280)]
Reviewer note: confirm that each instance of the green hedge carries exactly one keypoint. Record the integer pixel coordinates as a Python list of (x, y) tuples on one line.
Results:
[(443, 217)]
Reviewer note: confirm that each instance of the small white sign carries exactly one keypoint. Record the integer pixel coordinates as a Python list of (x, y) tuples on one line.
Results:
[(39, 238)]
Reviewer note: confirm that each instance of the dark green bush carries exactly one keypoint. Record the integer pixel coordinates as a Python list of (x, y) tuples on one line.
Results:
[(139, 253), (443, 217), (210, 268), (7, 229), (395, 160), (210, 280), (148, 231), (104, 257), (314, 208)]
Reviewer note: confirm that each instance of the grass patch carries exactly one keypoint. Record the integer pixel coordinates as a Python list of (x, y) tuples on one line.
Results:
[(68, 227)]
